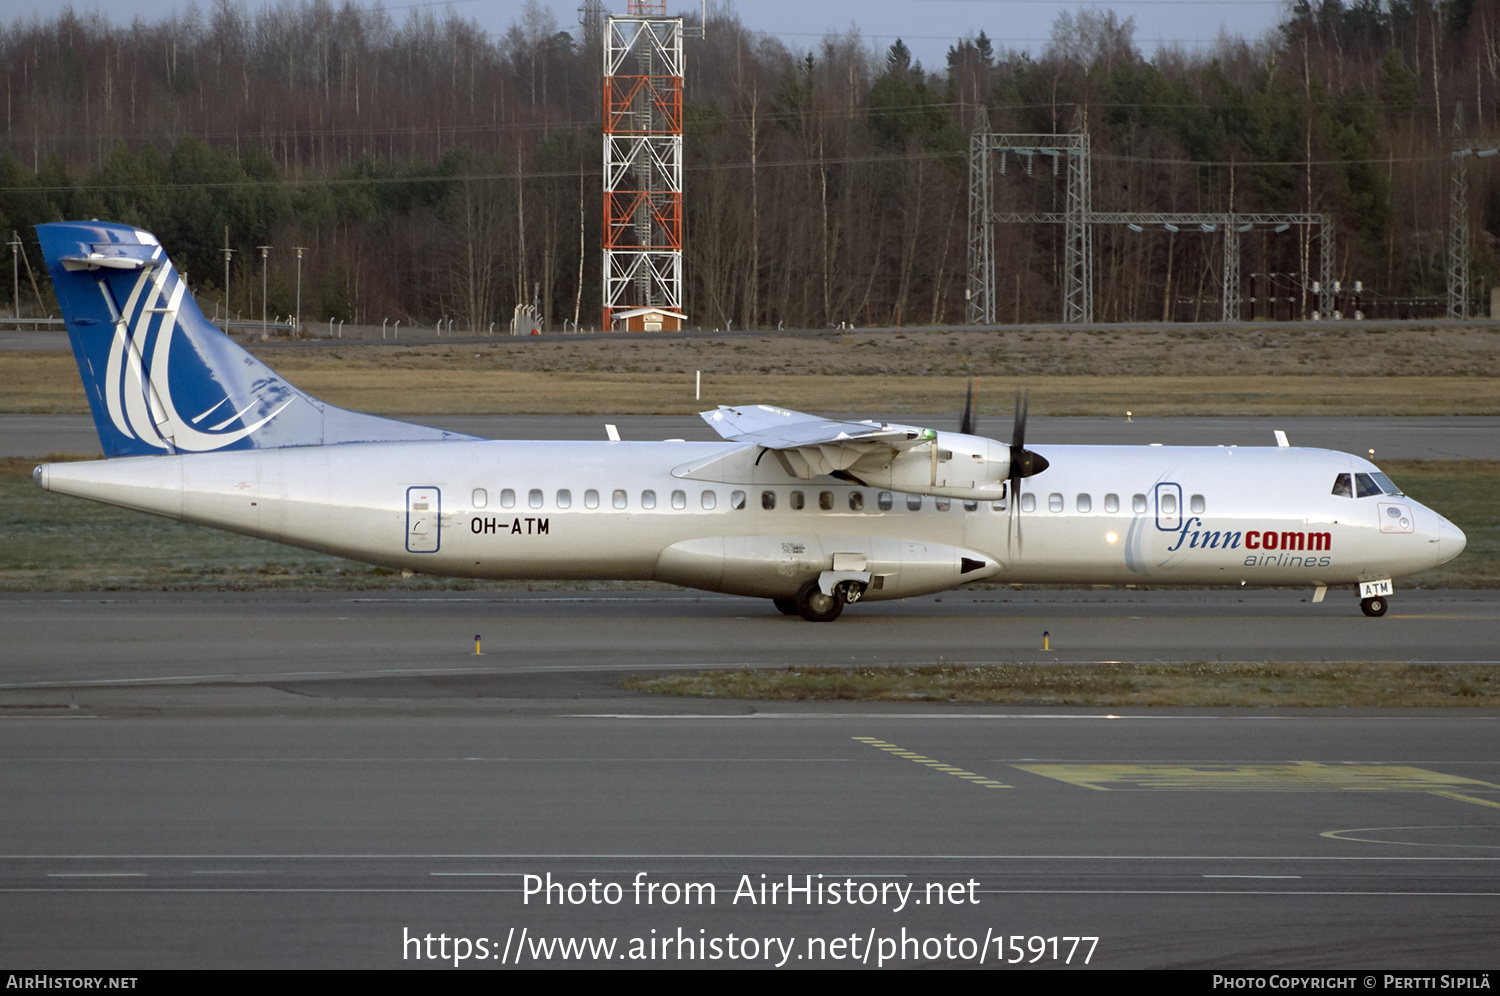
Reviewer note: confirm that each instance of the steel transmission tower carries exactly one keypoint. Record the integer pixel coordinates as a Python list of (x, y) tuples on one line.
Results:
[(1078, 244), (591, 16), (1080, 218), (642, 160)]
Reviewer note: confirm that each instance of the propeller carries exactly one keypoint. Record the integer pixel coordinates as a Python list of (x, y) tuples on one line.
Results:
[(1023, 463), (967, 423)]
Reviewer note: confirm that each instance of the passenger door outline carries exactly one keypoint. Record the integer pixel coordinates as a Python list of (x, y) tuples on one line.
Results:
[(424, 519), (1172, 522)]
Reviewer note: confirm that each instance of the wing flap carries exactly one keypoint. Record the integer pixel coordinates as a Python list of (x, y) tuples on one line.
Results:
[(812, 446)]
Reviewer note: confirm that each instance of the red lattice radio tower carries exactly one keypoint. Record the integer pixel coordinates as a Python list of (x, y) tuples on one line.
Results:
[(642, 160)]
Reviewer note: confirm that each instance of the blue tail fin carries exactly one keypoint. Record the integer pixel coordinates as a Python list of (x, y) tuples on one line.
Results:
[(160, 377)]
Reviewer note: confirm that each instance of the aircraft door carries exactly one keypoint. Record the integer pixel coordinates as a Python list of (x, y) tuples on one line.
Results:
[(424, 521), (1169, 507)]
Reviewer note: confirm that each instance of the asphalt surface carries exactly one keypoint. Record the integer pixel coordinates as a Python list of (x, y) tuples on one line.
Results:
[(382, 643), (326, 779), (317, 780), (1440, 438)]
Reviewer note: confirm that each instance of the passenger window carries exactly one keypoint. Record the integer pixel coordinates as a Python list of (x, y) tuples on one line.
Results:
[(942, 504), (648, 499), (737, 500), (1196, 503), (534, 498), (1168, 503), (1111, 503), (768, 499), (508, 498), (856, 501), (481, 497), (1054, 502), (1138, 503), (970, 506), (1028, 502), (591, 499), (1365, 486), (796, 501), (565, 499), (1085, 503), (709, 499), (914, 502), (618, 499), (885, 501), (998, 506), (825, 500), (679, 499)]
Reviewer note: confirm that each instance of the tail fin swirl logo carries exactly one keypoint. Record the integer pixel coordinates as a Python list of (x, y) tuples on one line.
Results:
[(137, 385)]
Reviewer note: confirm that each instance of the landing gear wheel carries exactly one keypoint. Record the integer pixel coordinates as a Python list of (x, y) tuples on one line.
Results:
[(786, 606), (1373, 606), (814, 606)]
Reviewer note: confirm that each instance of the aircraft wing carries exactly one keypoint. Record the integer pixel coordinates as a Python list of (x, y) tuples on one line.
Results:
[(813, 446)]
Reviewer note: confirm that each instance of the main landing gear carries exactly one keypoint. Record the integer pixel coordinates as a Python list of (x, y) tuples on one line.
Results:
[(1374, 606), (814, 606)]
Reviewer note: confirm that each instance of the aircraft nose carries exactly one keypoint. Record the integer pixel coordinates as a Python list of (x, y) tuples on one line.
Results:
[(1451, 540)]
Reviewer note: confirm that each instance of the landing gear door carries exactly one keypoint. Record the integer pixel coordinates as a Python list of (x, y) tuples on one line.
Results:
[(1169, 507), (424, 520)]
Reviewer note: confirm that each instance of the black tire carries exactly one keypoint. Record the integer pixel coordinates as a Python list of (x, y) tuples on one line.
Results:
[(814, 606), (786, 606), (1373, 606)]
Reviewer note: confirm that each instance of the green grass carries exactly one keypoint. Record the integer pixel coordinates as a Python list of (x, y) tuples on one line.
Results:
[(1375, 685)]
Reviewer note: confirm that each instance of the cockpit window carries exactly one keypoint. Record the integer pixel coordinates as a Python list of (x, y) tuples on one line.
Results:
[(1365, 486)]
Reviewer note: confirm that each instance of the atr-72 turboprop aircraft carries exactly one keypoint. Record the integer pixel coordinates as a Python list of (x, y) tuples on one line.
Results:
[(809, 512)]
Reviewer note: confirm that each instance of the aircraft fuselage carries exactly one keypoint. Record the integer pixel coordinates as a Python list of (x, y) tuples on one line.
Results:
[(717, 516)]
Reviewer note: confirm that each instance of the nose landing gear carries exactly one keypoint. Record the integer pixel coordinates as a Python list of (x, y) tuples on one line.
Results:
[(1374, 597)]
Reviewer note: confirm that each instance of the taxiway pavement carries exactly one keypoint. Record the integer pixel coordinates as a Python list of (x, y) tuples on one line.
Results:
[(289, 780)]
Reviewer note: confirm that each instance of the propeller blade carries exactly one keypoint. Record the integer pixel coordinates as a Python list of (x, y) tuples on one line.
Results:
[(1023, 464), (967, 423)]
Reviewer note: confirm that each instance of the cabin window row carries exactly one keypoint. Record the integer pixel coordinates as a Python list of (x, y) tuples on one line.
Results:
[(619, 498), (1056, 502), (825, 501)]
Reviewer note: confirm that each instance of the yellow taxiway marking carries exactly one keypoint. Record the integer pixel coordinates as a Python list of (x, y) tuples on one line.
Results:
[(1304, 776), (923, 759)]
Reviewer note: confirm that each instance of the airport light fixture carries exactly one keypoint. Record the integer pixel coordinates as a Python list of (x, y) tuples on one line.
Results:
[(298, 327), (264, 252)]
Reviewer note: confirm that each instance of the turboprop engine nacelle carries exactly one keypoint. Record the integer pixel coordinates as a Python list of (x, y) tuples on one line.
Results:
[(949, 464)]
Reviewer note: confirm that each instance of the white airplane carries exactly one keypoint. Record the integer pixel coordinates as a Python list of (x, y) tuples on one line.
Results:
[(808, 512)]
